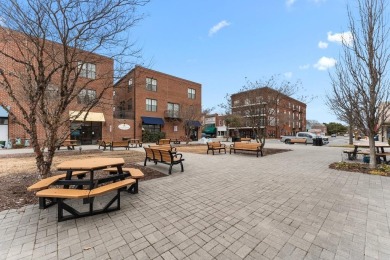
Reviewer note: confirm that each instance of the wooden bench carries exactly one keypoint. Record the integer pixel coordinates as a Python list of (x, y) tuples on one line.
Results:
[(165, 157), (251, 147), (135, 143), (61, 194), (124, 144), (69, 144), (352, 156), (134, 173), (104, 144), (246, 139), (298, 141), (213, 146), (164, 141)]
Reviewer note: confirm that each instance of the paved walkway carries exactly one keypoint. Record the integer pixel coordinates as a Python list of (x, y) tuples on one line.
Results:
[(285, 206)]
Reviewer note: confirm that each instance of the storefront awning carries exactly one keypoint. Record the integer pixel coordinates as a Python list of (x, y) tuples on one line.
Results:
[(194, 123), (152, 120), (91, 117), (3, 112), (210, 130)]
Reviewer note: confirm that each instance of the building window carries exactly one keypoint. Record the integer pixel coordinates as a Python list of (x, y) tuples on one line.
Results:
[(86, 96), (152, 128), (87, 70), (129, 85), (173, 110), (191, 93), (3, 121), (151, 105), (130, 104), (151, 84)]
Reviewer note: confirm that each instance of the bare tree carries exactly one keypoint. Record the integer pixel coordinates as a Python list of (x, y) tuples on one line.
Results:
[(46, 46), (362, 73), (189, 116), (341, 99)]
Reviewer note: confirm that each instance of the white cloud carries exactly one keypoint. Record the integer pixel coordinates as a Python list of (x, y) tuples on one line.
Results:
[(322, 45), (290, 2), (218, 27), (344, 37), (304, 67), (288, 75), (325, 63)]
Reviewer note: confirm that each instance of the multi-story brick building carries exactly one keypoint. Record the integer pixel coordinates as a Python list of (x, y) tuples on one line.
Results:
[(269, 109), (96, 74), (148, 100)]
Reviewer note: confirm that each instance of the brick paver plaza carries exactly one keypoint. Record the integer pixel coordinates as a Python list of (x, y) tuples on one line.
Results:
[(283, 206)]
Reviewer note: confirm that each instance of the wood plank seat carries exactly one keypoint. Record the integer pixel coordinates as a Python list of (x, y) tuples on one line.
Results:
[(61, 194), (298, 141), (134, 173), (352, 154), (45, 183), (164, 156), (245, 139), (124, 144), (250, 147), (215, 146)]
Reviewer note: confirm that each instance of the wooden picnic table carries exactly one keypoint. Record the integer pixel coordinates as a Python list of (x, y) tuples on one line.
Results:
[(135, 143), (91, 165), (380, 148)]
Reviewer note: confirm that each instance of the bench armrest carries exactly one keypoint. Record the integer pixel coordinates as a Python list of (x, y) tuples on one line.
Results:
[(223, 145), (178, 154)]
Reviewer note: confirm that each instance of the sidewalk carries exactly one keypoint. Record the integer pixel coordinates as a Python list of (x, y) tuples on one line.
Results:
[(284, 206)]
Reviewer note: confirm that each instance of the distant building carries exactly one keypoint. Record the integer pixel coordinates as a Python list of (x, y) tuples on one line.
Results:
[(148, 100), (265, 107), (214, 126), (319, 129)]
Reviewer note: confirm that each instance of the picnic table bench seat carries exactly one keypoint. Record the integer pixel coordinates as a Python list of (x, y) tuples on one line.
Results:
[(61, 194), (215, 146), (163, 156), (134, 174), (298, 141), (45, 183), (251, 147)]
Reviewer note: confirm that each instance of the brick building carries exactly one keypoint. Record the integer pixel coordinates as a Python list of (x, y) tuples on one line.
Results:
[(148, 100), (96, 73), (267, 108)]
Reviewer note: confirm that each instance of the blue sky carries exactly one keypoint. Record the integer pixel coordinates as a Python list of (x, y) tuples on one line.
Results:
[(221, 43)]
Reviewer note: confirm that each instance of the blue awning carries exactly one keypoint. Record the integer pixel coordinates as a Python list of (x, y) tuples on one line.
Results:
[(3, 112), (152, 120), (194, 123)]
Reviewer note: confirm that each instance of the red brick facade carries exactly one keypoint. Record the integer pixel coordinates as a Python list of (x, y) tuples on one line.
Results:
[(130, 101), (104, 78), (280, 114)]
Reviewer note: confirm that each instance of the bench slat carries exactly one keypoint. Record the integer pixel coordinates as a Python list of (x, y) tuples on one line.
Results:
[(63, 193)]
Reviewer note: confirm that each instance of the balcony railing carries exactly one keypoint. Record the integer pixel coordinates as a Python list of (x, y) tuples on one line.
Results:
[(124, 114), (172, 114)]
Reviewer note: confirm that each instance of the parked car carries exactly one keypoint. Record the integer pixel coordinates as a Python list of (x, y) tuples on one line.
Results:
[(333, 135), (309, 137)]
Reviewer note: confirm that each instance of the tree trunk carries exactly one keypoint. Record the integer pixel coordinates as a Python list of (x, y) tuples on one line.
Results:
[(372, 151)]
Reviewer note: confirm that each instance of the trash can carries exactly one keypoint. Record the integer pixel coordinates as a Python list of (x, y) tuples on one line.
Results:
[(317, 141)]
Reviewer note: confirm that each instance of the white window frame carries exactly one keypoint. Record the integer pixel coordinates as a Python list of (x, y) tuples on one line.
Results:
[(191, 93), (87, 70), (151, 105)]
